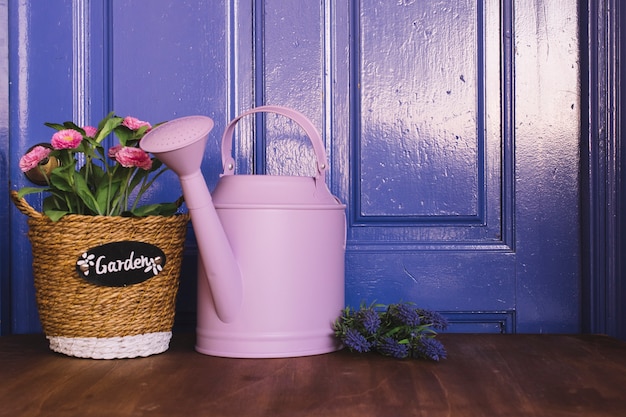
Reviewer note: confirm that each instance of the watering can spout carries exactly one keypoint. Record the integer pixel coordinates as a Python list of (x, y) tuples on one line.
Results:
[(218, 259), (179, 144)]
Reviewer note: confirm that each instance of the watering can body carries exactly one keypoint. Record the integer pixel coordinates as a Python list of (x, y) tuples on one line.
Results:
[(288, 236), (290, 251)]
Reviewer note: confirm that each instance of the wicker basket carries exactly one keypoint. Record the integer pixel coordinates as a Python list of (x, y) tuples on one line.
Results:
[(86, 320)]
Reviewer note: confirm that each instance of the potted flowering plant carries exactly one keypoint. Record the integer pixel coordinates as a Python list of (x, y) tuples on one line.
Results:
[(88, 180), (106, 269)]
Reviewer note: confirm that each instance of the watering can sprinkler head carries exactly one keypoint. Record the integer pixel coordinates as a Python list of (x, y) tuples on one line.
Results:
[(180, 144)]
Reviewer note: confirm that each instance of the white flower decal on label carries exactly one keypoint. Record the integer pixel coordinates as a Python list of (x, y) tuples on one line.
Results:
[(86, 262)]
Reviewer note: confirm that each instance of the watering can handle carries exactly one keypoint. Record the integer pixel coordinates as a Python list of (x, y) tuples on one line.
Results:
[(318, 146)]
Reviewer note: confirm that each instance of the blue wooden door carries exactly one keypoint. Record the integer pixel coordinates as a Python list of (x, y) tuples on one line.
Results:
[(452, 128)]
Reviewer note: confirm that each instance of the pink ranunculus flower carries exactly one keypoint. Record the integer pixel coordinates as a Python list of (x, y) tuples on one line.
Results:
[(90, 131), (113, 150), (34, 157), (66, 139), (130, 157), (134, 123)]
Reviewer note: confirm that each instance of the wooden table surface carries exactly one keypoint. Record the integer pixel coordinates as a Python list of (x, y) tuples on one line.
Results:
[(484, 375)]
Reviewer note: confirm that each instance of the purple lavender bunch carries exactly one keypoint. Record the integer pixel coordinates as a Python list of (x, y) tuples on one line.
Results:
[(399, 330)]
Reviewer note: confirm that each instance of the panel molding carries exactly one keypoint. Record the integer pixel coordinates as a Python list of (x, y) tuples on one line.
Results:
[(475, 216), (491, 226), (603, 206), (81, 61), (5, 218), (92, 57), (502, 322)]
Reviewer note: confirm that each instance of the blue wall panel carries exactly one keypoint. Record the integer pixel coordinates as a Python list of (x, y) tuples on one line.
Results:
[(41, 89), (452, 129)]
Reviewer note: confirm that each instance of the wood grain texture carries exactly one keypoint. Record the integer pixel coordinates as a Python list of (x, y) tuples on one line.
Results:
[(484, 375)]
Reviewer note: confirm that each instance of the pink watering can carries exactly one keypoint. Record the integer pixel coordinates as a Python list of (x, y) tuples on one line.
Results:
[(272, 248)]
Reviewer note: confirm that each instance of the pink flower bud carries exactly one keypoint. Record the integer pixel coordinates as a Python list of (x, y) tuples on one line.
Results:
[(130, 157), (134, 123), (90, 131), (113, 150)]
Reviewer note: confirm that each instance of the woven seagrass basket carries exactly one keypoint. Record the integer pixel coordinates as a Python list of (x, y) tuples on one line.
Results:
[(89, 320)]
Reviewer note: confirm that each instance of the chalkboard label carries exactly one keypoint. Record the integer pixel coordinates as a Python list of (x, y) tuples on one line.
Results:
[(118, 264)]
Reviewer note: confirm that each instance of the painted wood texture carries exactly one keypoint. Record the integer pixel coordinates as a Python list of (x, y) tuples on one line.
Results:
[(452, 128)]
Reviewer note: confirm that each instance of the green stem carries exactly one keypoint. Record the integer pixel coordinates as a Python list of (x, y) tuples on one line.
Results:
[(110, 175), (146, 185), (127, 189), (79, 207), (87, 167)]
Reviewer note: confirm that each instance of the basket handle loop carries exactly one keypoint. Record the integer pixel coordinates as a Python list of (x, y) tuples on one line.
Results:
[(228, 161), (23, 205)]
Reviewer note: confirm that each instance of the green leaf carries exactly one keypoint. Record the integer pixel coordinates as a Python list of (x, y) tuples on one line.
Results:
[(103, 121), (54, 206), (141, 131), (124, 134), (59, 178), (55, 126), (140, 174), (55, 201), (74, 126), (156, 164), (96, 174), (30, 190), (107, 126), (84, 193), (55, 215), (393, 331), (65, 125), (163, 209), (107, 192), (88, 148)]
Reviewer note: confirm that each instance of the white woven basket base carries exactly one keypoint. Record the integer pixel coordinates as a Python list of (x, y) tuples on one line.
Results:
[(112, 347)]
